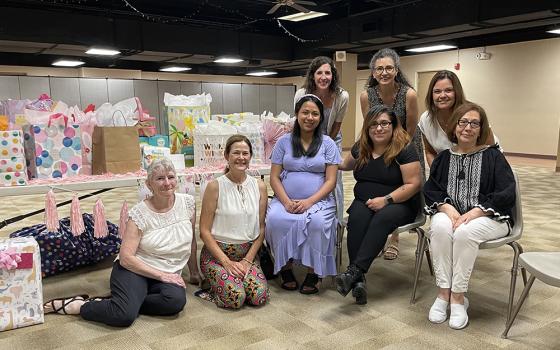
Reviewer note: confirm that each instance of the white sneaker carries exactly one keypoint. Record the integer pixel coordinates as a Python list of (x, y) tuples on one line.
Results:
[(459, 318), (438, 311)]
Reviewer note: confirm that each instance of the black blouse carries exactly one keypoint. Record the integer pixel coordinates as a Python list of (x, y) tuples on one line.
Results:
[(375, 179), (482, 179)]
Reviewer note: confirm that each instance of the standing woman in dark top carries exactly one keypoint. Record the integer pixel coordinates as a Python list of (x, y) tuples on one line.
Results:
[(388, 86), (470, 194), (387, 174)]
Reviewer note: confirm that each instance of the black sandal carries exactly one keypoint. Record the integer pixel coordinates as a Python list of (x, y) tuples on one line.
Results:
[(65, 302), (288, 277), (309, 285)]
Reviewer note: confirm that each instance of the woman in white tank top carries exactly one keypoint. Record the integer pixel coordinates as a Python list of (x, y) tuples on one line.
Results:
[(232, 229)]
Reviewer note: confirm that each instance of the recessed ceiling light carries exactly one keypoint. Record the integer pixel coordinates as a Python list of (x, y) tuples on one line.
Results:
[(431, 48), (302, 16), (102, 52), (175, 69), (554, 31), (228, 60), (67, 63), (261, 73)]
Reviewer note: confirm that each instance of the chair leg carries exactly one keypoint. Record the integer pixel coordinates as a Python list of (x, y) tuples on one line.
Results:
[(518, 306), (523, 271), (339, 239), (514, 268), (429, 257), (420, 246)]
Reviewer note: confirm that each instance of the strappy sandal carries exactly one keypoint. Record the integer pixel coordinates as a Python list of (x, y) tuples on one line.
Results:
[(392, 252), (288, 277), (309, 285), (64, 303)]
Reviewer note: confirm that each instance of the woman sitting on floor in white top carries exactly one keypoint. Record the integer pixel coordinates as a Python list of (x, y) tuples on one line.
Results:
[(157, 244), (232, 229)]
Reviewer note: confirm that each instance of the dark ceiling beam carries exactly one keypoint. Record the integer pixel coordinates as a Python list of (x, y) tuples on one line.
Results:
[(126, 34)]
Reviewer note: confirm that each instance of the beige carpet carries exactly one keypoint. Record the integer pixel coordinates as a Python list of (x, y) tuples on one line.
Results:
[(326, 320)]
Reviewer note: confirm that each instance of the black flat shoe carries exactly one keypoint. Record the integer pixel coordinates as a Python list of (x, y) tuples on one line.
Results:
[(309, 285), (288, 277)]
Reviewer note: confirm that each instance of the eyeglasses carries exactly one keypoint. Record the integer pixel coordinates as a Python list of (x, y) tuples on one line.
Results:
[(388, 69), (384, 124), (475, 124)]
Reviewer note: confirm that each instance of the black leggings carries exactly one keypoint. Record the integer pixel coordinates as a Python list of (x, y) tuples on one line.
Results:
[(368, 230), (132, 294)]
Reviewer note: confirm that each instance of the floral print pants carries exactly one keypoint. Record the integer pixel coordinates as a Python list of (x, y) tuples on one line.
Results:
[(229, 291)]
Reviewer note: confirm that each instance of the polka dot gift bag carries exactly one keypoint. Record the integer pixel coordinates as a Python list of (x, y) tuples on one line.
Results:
[(12, 159), (53, 150)]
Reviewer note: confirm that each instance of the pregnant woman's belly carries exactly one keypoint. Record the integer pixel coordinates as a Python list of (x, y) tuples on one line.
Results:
[(301, 185)]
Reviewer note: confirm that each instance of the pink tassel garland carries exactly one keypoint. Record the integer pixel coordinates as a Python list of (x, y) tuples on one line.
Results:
[(100, 229), (76, 220), (123, 219), (51, 214)]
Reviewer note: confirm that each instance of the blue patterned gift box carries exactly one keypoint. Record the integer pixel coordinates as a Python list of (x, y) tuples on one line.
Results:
[(61, 251)]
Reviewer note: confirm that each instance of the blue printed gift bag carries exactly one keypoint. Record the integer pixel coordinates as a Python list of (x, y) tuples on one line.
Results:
[(61, 251)]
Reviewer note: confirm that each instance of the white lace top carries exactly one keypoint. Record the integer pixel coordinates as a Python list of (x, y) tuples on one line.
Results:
[(236, 219), (166, 237)]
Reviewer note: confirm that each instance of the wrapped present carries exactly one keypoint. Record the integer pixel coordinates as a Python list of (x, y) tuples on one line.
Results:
[(11, 144), (56, 146), (16, 178), (151, 153), (21, 289), (61, 251), (159, 140)]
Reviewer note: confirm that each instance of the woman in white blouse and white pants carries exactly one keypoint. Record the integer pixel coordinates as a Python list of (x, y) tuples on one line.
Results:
[(232, 229)]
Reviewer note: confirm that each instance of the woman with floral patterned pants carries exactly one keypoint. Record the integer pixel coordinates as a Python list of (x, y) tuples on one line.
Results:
[(232, 229)]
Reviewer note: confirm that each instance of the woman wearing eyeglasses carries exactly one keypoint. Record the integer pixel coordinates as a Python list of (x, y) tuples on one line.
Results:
[(388, 86), (470, 194), (387, 173), (445, 94)]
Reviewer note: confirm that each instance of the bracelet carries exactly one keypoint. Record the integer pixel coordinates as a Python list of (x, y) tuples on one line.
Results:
[(247, 260)]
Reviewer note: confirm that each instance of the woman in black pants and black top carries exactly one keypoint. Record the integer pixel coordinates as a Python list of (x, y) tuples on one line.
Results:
[(387, 173)]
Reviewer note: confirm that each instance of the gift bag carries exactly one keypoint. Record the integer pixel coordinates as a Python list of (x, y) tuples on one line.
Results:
[(61, 251), (183, 113), (87, 122), (21, 288), (254, 132), (273, 129), (12, 159), (210, 143), (56, 147), (116, 149)]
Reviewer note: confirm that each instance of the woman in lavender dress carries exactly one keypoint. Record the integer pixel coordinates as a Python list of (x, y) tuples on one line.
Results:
[(301, 219)]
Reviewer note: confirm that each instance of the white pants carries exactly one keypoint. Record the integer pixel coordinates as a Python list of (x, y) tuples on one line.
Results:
[(454, 253)]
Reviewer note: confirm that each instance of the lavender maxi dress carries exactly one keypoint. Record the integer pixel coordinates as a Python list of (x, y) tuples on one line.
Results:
[(308, 238)]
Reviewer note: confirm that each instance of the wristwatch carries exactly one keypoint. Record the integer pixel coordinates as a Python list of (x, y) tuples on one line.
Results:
[(389, 199)]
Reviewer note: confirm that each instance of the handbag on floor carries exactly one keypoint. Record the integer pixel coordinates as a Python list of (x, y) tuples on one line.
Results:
[(61, 251)]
